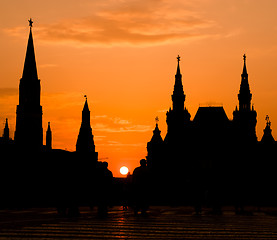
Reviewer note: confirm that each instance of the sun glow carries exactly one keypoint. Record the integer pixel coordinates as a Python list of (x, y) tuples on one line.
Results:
[(124, 170)]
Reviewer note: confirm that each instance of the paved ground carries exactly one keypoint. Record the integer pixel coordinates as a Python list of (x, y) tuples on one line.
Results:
[(161, 223)]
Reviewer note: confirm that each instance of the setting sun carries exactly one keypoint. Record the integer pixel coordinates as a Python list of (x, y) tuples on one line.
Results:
[(124, 170)]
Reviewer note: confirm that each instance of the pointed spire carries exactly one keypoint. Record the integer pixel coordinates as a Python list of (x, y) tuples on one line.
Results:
[(157, 130), (178, 96), (6, 134), (244, 95), (85, 142), (156, 138), (30, 67), (48, 137), (244, 71), (86, 108), (178, 72), (244, 76), (48, 128), (267, 137)]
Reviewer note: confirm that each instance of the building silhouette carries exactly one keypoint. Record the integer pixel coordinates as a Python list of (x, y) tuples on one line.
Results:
[(36, 174), (29, 133), (210, 125), (210, 151), (28, 136), (209, 155)]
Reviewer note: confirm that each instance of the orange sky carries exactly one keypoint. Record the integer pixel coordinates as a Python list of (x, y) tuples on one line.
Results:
[(122, 55)]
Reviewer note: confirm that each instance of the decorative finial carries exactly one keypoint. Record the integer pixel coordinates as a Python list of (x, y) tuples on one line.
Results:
[(178, 58), (85, 96), (244, 57), (157, 119), (30, 22)]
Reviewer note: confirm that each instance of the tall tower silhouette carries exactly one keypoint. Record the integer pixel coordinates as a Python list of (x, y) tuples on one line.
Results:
[(245, 118), (28, 134), (178, 118), (85, 142)]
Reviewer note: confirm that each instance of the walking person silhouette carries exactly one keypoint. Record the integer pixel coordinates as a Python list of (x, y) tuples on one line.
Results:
[(141, 188)]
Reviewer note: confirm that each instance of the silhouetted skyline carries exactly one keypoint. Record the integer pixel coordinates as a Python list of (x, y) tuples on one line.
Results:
[(211, 59)]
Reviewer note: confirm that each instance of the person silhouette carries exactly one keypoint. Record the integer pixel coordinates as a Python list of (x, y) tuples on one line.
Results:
[(141, 188), (105, 179)]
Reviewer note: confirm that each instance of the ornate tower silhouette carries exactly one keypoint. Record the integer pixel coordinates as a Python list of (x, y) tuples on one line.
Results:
[(28, 134), (178, 118), (85, 142), (245, 118)]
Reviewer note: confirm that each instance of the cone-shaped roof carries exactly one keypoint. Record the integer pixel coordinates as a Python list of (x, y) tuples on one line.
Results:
[(244, 86), (30, 67), (178, 86), (48, 128), (86, 108)]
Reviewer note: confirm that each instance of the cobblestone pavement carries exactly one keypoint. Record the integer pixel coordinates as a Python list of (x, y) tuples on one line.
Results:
[(161, 223)]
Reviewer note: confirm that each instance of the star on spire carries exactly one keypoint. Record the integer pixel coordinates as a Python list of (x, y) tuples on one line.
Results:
[(30, 22)]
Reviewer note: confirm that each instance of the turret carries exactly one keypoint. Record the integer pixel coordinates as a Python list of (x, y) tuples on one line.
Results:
[(155, 149), (267, 137)]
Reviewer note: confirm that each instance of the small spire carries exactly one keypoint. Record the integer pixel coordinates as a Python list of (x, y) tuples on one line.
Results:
[(86, 103), (48, 128), (178, 66), (268, 123), (244, 72), (48, 138), (267, 138)]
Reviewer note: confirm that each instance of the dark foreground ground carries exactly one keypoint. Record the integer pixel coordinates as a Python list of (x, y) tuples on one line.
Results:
[(161, 223)]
